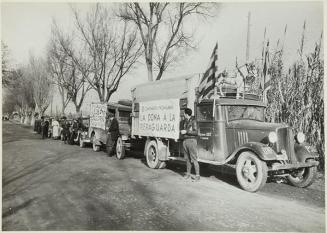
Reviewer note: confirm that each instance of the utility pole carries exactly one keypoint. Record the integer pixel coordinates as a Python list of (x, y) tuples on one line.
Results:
[(247, 55)]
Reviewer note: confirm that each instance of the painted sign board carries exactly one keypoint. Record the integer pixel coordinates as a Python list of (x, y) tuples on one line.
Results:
[(159, 118), (98, 115)]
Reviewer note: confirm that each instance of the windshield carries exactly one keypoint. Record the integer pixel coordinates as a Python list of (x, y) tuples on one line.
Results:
[(245, 112), (204, 113)]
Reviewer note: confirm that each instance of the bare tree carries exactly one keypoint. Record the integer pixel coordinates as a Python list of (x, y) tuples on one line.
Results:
[(7, 76), (162, 32), (41, 83), (68, 69), (19, 94), (59, 70), (110, 52)]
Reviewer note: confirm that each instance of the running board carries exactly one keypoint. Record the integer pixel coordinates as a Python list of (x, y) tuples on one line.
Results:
[(199, 160)]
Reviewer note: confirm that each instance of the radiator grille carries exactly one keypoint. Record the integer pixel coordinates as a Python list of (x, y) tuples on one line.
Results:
[(286, 142)]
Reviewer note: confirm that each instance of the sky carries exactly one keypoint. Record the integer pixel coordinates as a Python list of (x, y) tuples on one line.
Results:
[(26, 28)]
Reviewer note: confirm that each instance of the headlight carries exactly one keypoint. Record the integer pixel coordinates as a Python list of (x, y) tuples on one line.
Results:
[(272, 137), (300, 137)]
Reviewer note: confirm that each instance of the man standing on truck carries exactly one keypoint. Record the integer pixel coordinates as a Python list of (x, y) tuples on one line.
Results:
[(113, 134), (189, 132)]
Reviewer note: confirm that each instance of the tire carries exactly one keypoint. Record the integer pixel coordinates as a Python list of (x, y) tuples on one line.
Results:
[(81, 143), (304, 178), (152, 157), (109, 147), (96, 148), (162, 165), (251, 172), (120, 149)]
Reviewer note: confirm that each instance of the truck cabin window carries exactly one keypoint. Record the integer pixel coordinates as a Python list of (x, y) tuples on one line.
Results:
[(204, 113), (245, 113), (124, 116)]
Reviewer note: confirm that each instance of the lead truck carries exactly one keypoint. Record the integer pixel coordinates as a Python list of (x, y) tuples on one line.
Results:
[(231, 130)]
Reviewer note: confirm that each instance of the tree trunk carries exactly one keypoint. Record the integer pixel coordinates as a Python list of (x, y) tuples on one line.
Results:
[(33, 119), (42, 110), (150, 73), (78, 109), (160, 74), (63, 103)]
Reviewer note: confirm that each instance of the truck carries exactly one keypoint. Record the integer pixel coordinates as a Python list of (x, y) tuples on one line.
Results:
[(231, 130), (97, 133)]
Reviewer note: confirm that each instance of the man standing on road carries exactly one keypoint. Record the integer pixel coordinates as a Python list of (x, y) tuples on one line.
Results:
[(189, 132), (113, 134), (43, 126), (65, 129)]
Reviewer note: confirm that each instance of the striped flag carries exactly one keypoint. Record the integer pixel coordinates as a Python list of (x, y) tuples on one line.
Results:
[(207, 84), (266, 76)]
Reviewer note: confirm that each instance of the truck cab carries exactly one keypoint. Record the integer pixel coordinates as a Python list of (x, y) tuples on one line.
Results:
[(98, 136)]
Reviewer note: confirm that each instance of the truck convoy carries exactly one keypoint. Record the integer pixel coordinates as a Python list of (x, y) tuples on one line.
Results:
[(231, 130)]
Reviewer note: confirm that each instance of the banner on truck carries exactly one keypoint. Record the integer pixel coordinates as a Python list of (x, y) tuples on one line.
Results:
[(159, 118), (98, 115)]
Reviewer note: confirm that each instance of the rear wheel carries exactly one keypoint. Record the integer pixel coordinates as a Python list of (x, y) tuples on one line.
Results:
[(303, 177), (95, 147), (251, 172), (120, 149), (152, 156)]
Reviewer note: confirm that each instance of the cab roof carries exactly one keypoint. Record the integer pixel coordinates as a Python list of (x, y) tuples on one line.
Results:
[(119, 106)]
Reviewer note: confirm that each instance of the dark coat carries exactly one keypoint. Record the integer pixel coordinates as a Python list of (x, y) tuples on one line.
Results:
[(114, 129), (191, 128)]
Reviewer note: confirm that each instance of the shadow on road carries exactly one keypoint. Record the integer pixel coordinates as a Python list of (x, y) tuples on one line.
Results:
[(35, 167), (15, 209)]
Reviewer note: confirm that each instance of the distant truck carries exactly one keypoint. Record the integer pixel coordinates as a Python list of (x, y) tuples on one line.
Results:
[(231, 130), (97, 134)]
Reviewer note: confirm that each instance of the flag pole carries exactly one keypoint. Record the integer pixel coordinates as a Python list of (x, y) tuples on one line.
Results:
[(247, 54)]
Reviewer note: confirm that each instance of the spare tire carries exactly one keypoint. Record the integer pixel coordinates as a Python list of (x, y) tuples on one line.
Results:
[(125, 102)]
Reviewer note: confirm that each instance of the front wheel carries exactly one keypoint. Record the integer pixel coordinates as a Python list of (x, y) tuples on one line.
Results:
[(120, 149), (152, 156), (303, 177), (251, 172)]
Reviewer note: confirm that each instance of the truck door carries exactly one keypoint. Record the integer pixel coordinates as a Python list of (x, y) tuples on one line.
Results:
[(204, 116)]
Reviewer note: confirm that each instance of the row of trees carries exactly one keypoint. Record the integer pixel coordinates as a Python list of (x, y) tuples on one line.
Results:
[(104, 46), (28, 88), (296, 93)]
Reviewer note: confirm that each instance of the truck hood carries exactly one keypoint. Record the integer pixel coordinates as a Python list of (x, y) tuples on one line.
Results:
[(255, 125)]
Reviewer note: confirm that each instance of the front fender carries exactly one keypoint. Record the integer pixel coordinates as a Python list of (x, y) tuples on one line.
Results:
[(263, 151), (302, 153)]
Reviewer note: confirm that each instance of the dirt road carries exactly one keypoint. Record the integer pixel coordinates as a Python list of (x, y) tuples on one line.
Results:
[(48, 185)]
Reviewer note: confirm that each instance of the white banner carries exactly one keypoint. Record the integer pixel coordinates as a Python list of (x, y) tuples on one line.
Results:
[(159, 118), (98, 115)]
